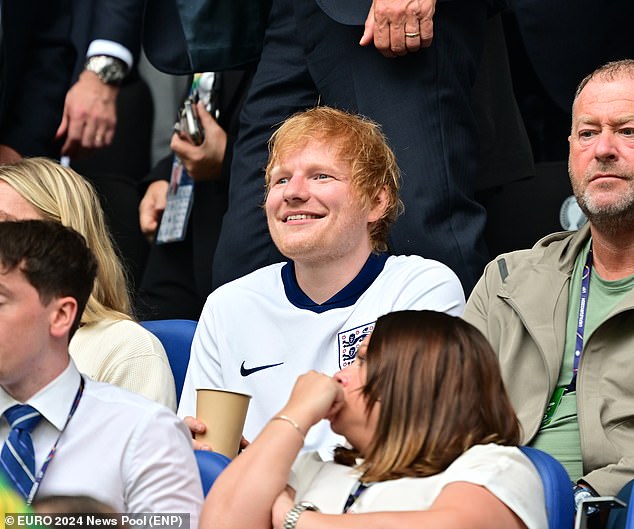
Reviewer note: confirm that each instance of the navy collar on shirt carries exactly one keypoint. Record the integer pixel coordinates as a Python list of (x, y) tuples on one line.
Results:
[(347, 296)]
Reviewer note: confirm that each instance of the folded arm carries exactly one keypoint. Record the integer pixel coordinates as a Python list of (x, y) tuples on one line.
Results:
[(459, 506)]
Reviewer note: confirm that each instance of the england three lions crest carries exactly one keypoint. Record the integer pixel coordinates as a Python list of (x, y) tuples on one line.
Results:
[(349, 342)]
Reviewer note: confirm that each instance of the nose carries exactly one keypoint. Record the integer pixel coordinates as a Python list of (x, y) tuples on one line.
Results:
[(606, 147), (296, 189), (341, 376)]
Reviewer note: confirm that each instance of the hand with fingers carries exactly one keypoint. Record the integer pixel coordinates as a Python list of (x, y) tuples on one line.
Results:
[(204, 161), (196, 426), (90, 115), (314, 397), (152, 206), (398, 27)]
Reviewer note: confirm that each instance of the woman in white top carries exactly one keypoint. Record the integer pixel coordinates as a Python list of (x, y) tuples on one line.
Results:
[(109, 346), (432, 439)]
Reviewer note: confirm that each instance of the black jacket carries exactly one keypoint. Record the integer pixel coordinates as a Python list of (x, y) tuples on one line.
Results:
[(35, 72)]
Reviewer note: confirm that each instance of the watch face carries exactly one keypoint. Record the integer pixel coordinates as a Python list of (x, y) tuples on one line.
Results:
[(108, 69), (570, 215), (113, 74)]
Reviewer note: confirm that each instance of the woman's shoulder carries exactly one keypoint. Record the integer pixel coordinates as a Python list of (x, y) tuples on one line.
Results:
[(490, 450), (99, 346), (123, 353), (120, 332), (491, 457), (507, 474)]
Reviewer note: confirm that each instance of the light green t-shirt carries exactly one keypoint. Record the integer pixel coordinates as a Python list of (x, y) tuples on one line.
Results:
[(560, 437)]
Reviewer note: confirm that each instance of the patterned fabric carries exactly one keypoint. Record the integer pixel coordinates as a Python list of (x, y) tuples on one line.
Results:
[(17, 457)]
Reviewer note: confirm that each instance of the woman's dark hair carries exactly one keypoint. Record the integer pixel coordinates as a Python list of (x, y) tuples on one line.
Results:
[(438, 384)]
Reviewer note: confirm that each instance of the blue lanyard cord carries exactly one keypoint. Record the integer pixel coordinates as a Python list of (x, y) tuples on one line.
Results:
[(51, 454), (352, 498), (581, 320)]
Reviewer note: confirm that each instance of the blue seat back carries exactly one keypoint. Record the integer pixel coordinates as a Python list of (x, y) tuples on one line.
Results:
[(629, 522), (210, 465), (623, 518), (176, 337), (560, 504)]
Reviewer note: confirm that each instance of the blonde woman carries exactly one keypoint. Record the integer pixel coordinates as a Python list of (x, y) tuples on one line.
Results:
[(109, 346)]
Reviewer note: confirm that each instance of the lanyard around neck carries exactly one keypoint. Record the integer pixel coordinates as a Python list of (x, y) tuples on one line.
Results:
[(581, 320), (352, 498), (51, 454)]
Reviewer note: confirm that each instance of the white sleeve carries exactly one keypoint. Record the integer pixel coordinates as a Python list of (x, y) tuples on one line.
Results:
[(509, 475), (205, 368), (161, 473), (430, 285), (111, 48), (303, 471)]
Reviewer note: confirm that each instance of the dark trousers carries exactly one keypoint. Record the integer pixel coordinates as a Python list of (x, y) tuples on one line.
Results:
[(422, 101), (116, 171), (177, 278)]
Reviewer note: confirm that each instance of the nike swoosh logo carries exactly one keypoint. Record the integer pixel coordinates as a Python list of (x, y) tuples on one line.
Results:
[(245, 371)]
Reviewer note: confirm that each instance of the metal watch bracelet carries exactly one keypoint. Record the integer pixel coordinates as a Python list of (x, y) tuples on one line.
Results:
[(292, 516), (110, 70)]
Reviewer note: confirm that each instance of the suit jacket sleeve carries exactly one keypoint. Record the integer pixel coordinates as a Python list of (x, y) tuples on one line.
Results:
[(119, 21), (41, 69)]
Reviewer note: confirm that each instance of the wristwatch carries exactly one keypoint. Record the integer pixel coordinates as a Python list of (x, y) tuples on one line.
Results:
[(290, 520), (109, 69), (581, 493)]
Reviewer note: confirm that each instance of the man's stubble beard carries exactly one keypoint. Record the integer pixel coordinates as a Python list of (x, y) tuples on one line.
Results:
[(608, 218)]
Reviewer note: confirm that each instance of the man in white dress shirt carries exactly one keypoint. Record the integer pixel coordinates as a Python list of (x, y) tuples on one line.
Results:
[(88, 438)]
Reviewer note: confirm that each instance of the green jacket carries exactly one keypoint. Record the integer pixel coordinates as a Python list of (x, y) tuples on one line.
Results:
[(520, 304)]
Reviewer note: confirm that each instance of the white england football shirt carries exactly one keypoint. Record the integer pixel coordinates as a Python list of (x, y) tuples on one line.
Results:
[(257, 334)]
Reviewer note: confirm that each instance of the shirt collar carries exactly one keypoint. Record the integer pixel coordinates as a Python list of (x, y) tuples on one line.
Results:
[(346, 297), (54, 400)]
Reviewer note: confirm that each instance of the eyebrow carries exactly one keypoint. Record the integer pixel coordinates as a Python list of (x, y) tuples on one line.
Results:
[(625, 119), (591, 120)]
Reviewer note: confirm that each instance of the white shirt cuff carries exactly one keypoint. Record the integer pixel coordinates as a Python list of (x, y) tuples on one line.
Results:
[(113, 49)]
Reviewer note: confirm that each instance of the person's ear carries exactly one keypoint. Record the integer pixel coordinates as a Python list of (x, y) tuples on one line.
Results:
[(62, 315), (379, 205)]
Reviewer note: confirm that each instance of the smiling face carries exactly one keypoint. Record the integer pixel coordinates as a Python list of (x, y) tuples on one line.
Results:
[(601, 162), (313, 211)]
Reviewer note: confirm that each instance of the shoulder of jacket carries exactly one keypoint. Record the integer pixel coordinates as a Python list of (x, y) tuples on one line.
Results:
[(550, 247)]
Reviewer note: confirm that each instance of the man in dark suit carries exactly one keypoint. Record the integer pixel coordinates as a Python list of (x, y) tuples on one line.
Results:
[(567, 40), (178, 275), (107, 38), (107, 121), (420, 95), (551, 46), (36, 60)]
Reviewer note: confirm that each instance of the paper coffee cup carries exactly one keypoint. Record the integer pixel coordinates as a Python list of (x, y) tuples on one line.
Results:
[(224, 413)]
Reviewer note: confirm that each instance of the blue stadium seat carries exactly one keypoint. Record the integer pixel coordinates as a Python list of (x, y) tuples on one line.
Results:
[(629, 521), (210, 465), (176, 337), (560, 503)]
